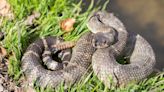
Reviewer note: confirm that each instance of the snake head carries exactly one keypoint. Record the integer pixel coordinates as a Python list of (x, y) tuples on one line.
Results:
[(97, 21), (103, 39), (101, 25)]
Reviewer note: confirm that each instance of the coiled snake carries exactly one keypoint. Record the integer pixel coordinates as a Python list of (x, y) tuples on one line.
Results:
[(78, 65), (108, 41), (109, 28)]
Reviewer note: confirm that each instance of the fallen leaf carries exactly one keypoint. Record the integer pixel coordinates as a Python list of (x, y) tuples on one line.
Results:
[(67, 24), (5, 9), (30, 19), (3, 52)]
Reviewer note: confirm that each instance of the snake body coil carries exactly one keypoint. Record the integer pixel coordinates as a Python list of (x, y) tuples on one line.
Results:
[(134, 47), (75, 69), (110, 38)]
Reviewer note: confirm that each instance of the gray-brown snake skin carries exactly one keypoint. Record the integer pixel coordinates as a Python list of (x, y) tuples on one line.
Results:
[(76, 68), (136, 48), (110, 45)]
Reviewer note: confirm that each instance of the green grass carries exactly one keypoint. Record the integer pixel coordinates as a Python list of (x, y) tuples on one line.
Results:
[(19, 36)]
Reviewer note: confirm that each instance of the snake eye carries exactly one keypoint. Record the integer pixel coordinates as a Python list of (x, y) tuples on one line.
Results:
[(99, 18)]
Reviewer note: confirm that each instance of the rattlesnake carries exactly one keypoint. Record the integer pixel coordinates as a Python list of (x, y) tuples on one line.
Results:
[(134, 47), (78, 65), (108, 40)]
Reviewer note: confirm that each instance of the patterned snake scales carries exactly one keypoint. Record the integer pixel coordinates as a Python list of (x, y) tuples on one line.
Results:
[(108, 41)]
